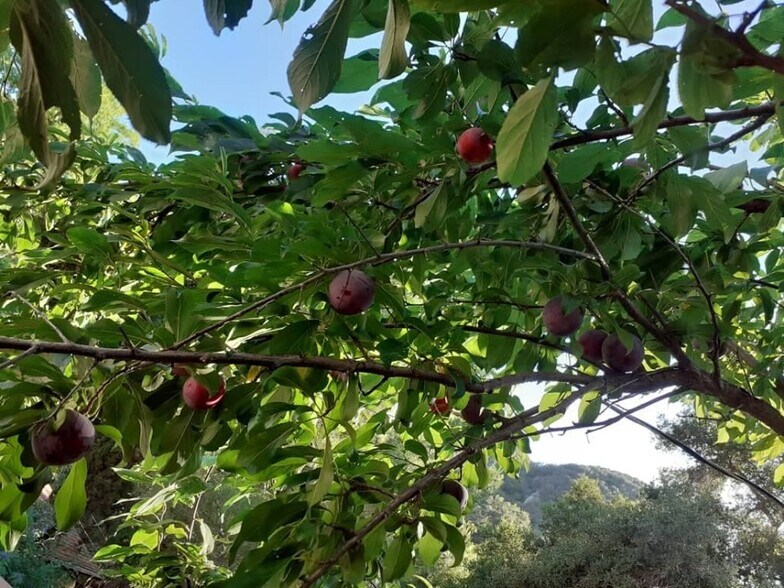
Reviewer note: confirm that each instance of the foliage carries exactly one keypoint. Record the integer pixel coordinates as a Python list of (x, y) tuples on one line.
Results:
[(546, 483), (26, 567), (671, 536), (606, 189)]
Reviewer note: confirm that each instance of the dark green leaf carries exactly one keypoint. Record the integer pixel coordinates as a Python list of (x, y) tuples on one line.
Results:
[(317, 62), (223, 14), (129, 67), (393, 58)]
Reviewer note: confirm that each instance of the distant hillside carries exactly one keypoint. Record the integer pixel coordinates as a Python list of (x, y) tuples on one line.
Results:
[(545, 483)]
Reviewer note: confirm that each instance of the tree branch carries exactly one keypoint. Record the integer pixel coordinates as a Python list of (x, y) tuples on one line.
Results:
[(585, 236), (277, 361), (374, 261), (751, 56), (768, 108)]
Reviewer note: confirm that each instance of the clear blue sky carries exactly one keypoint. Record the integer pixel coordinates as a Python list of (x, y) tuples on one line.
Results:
[(237, 71)]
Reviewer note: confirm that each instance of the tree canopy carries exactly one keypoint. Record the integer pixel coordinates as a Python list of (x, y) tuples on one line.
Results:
[(627, 178)]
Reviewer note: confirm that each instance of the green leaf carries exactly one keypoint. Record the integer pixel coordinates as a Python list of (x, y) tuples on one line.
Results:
[(524, 140), (41, 36), (89, 241), (359, 73), (397, 559), (180, 312), (632, 19), (265, 518), (207, 539), (317, 62), (778, 88), (590, 406), (435, 204), (138, 11), (429, 549), (393, 57), (456, 543), (282, 10), (86, 78), (225, 14), (260, 446), (293, 338), (71, 499), (144, 538), (326, 475), (129, 67), (699, 88), (560, 34), (778, 475), (646, 124), (730, 178)]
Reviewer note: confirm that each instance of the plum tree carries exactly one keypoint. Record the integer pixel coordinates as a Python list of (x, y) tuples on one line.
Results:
[(474, 145), (457, 490), (591, 344), (351, 292), (196, 394), (63, 444), (621, 358), (114, 267), (558, 322)]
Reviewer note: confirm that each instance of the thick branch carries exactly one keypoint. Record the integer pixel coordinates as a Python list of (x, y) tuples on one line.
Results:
[(277, 361)]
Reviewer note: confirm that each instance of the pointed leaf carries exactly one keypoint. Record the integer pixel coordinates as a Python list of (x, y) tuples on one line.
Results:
[(129, 67), (397, 559), (317, 62), (326, 475), (393, 58), (632, 19), (524, 140), (225, 14), (41, 35), (71, 499), (86, 78)]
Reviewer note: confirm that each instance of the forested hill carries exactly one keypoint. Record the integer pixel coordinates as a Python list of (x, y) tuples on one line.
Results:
[(545, 483)]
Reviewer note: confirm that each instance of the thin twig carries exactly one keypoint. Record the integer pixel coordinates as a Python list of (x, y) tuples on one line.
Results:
[(40, 315), (9, 362), (752, 126), (74, 389), (693, 453)]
